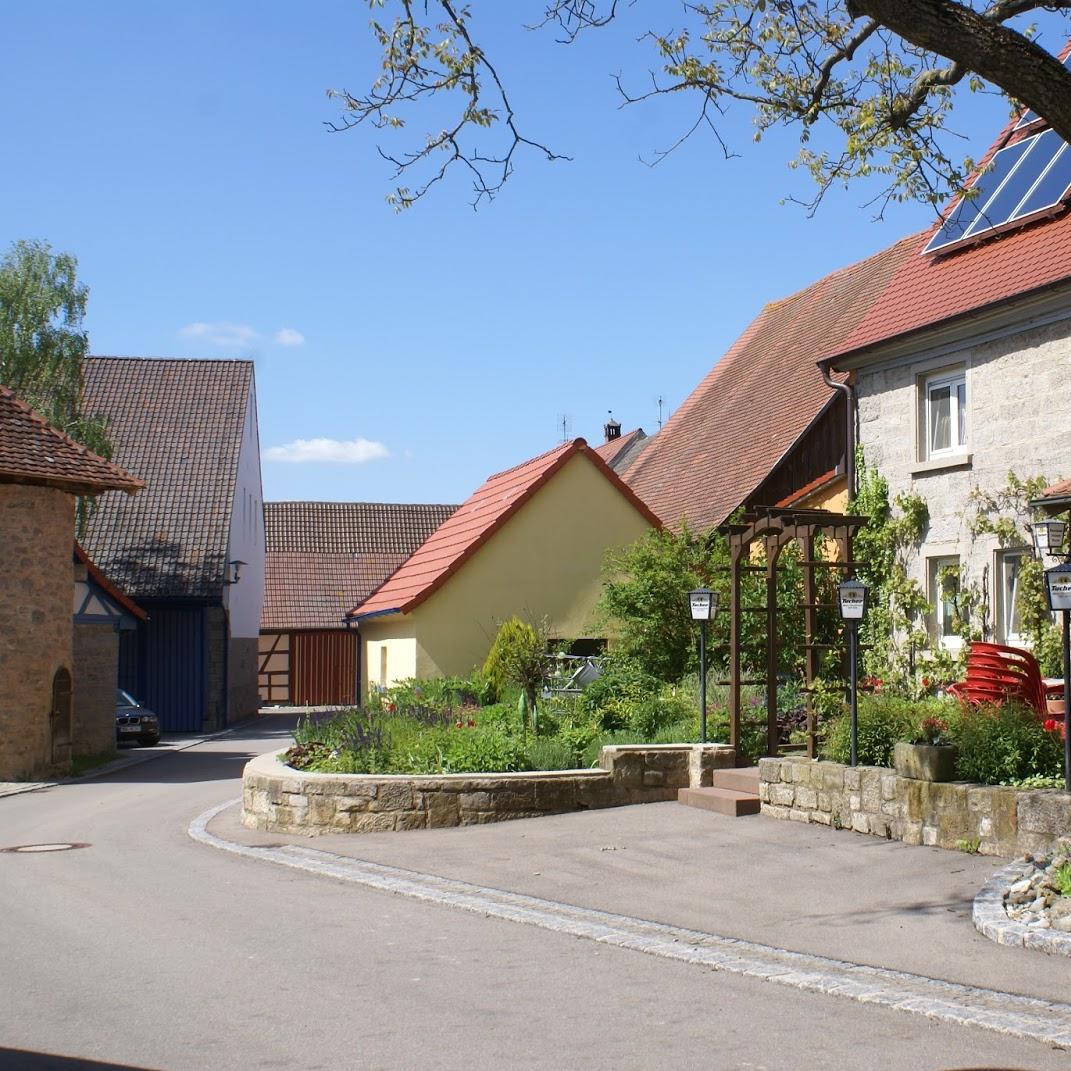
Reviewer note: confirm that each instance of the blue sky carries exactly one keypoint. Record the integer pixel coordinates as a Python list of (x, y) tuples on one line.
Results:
[(179, 152)]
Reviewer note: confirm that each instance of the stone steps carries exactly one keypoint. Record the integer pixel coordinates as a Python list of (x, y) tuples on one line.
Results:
[(720, 800), (746, 779)]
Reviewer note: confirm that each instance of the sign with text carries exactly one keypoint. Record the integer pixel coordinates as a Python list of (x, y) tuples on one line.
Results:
[(1058, 581)]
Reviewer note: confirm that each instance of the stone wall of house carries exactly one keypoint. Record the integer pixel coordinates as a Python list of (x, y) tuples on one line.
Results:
[(279, 799), (872, 799), (243, 697), (96, 673), (36, 593), (216, 647), (1020, 430)]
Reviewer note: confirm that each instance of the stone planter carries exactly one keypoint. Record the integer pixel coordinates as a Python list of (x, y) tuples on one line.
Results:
[(925, 762)]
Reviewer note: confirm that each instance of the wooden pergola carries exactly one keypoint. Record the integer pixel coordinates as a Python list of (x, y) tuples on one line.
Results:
[(777, 529)]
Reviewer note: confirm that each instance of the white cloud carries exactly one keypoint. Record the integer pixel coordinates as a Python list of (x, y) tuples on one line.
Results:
[(353, 452), (223, 333), (287, 336)]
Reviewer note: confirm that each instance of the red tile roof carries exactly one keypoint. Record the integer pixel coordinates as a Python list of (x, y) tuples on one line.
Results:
[(758, 400), (177, 424), (931, 289), (475, 522), (1062, 489), (323, 557), (34, 452), (826, 480)]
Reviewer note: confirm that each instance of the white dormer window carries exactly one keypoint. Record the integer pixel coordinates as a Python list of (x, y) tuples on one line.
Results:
[(946, 414)]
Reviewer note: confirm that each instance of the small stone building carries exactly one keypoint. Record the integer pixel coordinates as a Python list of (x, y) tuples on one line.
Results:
[(41, 473)]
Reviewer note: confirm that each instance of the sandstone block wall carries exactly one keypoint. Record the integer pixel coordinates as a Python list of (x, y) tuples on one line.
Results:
[(36, 593), (96, 672), (875, 800), (283, 800)]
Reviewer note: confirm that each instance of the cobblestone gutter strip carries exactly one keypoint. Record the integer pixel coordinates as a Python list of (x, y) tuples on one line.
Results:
[(992, 921), (1005, 1013)]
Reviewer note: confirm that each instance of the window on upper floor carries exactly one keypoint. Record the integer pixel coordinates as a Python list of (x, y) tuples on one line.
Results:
[(945, 409)]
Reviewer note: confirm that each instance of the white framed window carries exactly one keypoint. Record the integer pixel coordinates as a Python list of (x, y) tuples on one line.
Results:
[(1009, 567), (943, 580), (945, 407)]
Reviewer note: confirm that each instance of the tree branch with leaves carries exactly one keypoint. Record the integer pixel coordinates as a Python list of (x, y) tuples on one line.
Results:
[(878, 75)]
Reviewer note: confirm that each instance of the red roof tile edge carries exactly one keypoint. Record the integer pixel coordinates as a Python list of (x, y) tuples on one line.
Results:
[(577, 446), (122, 480), (103, 582)]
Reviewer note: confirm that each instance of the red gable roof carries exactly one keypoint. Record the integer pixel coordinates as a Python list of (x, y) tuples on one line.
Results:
[(33, 451), (476, 520), (932, 289), (757, 401)]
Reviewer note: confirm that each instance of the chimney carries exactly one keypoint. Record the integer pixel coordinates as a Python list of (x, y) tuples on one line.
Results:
[(612, 429)]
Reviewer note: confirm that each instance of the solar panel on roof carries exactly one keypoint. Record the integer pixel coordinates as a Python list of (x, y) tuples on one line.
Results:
[(1025, 179), (955, 227)]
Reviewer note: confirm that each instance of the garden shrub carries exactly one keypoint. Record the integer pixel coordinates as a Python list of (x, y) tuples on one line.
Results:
[(999, 744), (518, 658), (883, 721), (612, 698), (551, 753)]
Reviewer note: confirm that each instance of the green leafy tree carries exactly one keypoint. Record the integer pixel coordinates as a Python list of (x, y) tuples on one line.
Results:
[(42, 341), (518, 658), (878, 75), (644, 597)]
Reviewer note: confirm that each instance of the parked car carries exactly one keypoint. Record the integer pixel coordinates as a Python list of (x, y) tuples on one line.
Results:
[(133, 721)]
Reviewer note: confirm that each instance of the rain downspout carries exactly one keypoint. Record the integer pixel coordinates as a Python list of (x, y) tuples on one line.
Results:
[(849, 452)]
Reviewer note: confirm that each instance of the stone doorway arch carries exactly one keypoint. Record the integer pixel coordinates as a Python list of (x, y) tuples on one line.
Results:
[(60, 717)]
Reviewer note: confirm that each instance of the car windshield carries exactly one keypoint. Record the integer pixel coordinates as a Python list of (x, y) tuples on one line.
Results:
[(124, 699)]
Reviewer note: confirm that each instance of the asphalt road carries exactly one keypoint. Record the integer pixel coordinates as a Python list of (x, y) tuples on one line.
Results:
[(148, 950)]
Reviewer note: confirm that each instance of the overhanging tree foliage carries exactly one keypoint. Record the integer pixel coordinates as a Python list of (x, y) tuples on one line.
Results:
[(878, 73), (42, 341)]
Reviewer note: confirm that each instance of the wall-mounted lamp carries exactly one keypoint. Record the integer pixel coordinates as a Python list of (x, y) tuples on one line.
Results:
[(235, 568)]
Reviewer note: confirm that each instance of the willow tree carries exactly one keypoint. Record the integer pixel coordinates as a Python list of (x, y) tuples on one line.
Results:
[(879, 74), (42, 340)]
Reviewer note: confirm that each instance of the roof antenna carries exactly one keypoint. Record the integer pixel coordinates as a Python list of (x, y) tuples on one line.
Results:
[(563, 419), (660, 403)]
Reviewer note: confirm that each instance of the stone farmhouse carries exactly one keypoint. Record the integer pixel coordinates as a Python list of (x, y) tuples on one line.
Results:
[(959, 364), (42, 471), (190, 549)]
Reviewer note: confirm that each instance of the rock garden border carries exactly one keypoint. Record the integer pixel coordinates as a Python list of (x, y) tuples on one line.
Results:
[(277, 798), (990, 916)]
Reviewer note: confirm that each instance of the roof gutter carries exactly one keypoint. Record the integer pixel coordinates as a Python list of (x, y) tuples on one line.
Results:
[(374, 613), (849, 452)]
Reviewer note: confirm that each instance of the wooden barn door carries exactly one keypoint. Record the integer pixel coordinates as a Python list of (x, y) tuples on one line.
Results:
[(323, 668), (273, 667)]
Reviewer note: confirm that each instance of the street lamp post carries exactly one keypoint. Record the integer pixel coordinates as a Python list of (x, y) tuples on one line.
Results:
[(703, 604), (852, 602), (1058, 587)]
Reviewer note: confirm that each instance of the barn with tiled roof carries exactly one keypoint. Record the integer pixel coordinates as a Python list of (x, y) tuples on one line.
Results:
[(322, 558), (190, 548)]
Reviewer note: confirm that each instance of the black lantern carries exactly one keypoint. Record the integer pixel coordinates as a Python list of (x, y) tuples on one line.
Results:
[(1048, 537), (703, 605), (852, 600)]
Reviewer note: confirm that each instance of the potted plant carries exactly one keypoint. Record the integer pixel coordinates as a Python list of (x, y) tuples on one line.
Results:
[(931, 756)]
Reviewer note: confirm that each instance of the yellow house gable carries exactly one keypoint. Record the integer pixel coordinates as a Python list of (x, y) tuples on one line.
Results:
[(544, 561)]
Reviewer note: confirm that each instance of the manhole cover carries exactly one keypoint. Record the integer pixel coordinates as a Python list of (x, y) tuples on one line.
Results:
[(61, 846)]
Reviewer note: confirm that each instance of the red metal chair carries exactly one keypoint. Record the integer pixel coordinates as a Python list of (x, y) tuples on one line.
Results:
[(997, 673)]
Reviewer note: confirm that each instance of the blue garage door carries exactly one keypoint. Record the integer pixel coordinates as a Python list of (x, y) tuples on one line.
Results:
[(172, 667)]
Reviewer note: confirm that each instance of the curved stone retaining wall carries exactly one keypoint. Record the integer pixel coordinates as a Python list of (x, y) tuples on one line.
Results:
[(280, 799)]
